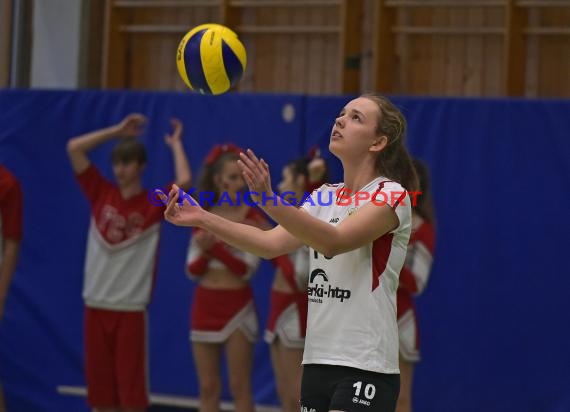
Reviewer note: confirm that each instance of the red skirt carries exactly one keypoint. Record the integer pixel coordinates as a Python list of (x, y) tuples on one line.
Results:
[(217, 313)]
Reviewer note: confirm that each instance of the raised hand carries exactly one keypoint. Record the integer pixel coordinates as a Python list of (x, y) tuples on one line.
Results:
[(132, 125), (256, 174), (185, 213), (176, 135)]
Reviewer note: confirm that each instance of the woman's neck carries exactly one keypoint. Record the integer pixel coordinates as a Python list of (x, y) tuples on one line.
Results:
[(358, 175)]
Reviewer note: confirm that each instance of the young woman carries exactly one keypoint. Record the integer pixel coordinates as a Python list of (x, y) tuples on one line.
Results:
[(286, 325), (357, 244), (413, 280), (223, 312)]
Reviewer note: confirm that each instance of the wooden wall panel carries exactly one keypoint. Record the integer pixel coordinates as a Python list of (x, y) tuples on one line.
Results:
[(115, 48), (367, 35), (152, 56), (315, 58), (531, 78), (281, 55), (554, 54), (402, 50), (293, 61), (350, 42), (419, 53), (384, 60), (5, 41), (474, 62), (446, 48), (438, 55), (455, 54), (299, 49), (492, 81), (247, 18), (264, 57), (330, 71), (446, 51)]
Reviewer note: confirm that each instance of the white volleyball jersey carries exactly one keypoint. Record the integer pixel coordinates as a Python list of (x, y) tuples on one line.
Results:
[(121, 246), (352, 296)]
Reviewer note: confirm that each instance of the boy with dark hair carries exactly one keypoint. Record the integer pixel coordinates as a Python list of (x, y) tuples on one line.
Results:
[(120, 261)]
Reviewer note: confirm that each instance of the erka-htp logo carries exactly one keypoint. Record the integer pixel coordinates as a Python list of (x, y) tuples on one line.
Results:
[(318, 291), (318, 272)]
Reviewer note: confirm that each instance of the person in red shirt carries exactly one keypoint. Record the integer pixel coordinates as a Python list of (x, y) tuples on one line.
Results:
[(10, 237), (119, 266), (413, 280)]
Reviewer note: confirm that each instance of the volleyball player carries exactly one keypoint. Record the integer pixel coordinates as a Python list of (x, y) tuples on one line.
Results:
[(357, 249)]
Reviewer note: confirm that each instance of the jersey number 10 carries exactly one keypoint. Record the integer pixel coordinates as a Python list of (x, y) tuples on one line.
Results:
[(369, 390)]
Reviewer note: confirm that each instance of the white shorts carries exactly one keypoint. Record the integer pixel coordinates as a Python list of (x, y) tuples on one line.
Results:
[(408, 336), (284, 322)]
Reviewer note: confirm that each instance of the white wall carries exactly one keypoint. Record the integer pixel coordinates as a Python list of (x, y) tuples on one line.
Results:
[(55, 44)]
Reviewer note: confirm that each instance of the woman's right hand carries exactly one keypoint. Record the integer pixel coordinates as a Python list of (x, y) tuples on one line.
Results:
[(185, 212), (256, 174)]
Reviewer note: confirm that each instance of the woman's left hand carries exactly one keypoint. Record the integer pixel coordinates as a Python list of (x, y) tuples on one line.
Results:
[(185, 212)]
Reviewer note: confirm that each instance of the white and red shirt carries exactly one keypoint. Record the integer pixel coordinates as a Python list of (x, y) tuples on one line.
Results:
[(121, 246), (352, 296), (417, 268), (10, 207)]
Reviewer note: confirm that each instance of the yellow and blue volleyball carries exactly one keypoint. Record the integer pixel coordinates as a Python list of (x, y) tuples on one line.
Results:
[(211, 59)]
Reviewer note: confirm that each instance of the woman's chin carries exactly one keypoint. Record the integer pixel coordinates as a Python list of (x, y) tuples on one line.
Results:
[(334, 147)]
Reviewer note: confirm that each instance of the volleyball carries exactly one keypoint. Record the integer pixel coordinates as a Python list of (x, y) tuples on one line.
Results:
[(211, 59)]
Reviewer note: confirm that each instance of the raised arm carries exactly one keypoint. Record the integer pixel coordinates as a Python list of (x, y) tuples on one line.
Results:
[(182, 210), (78, 147), (371, 221), (182, 169)]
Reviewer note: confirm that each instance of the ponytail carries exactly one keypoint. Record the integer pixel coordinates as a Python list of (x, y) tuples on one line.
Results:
[(394, 161), (424, 206)]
